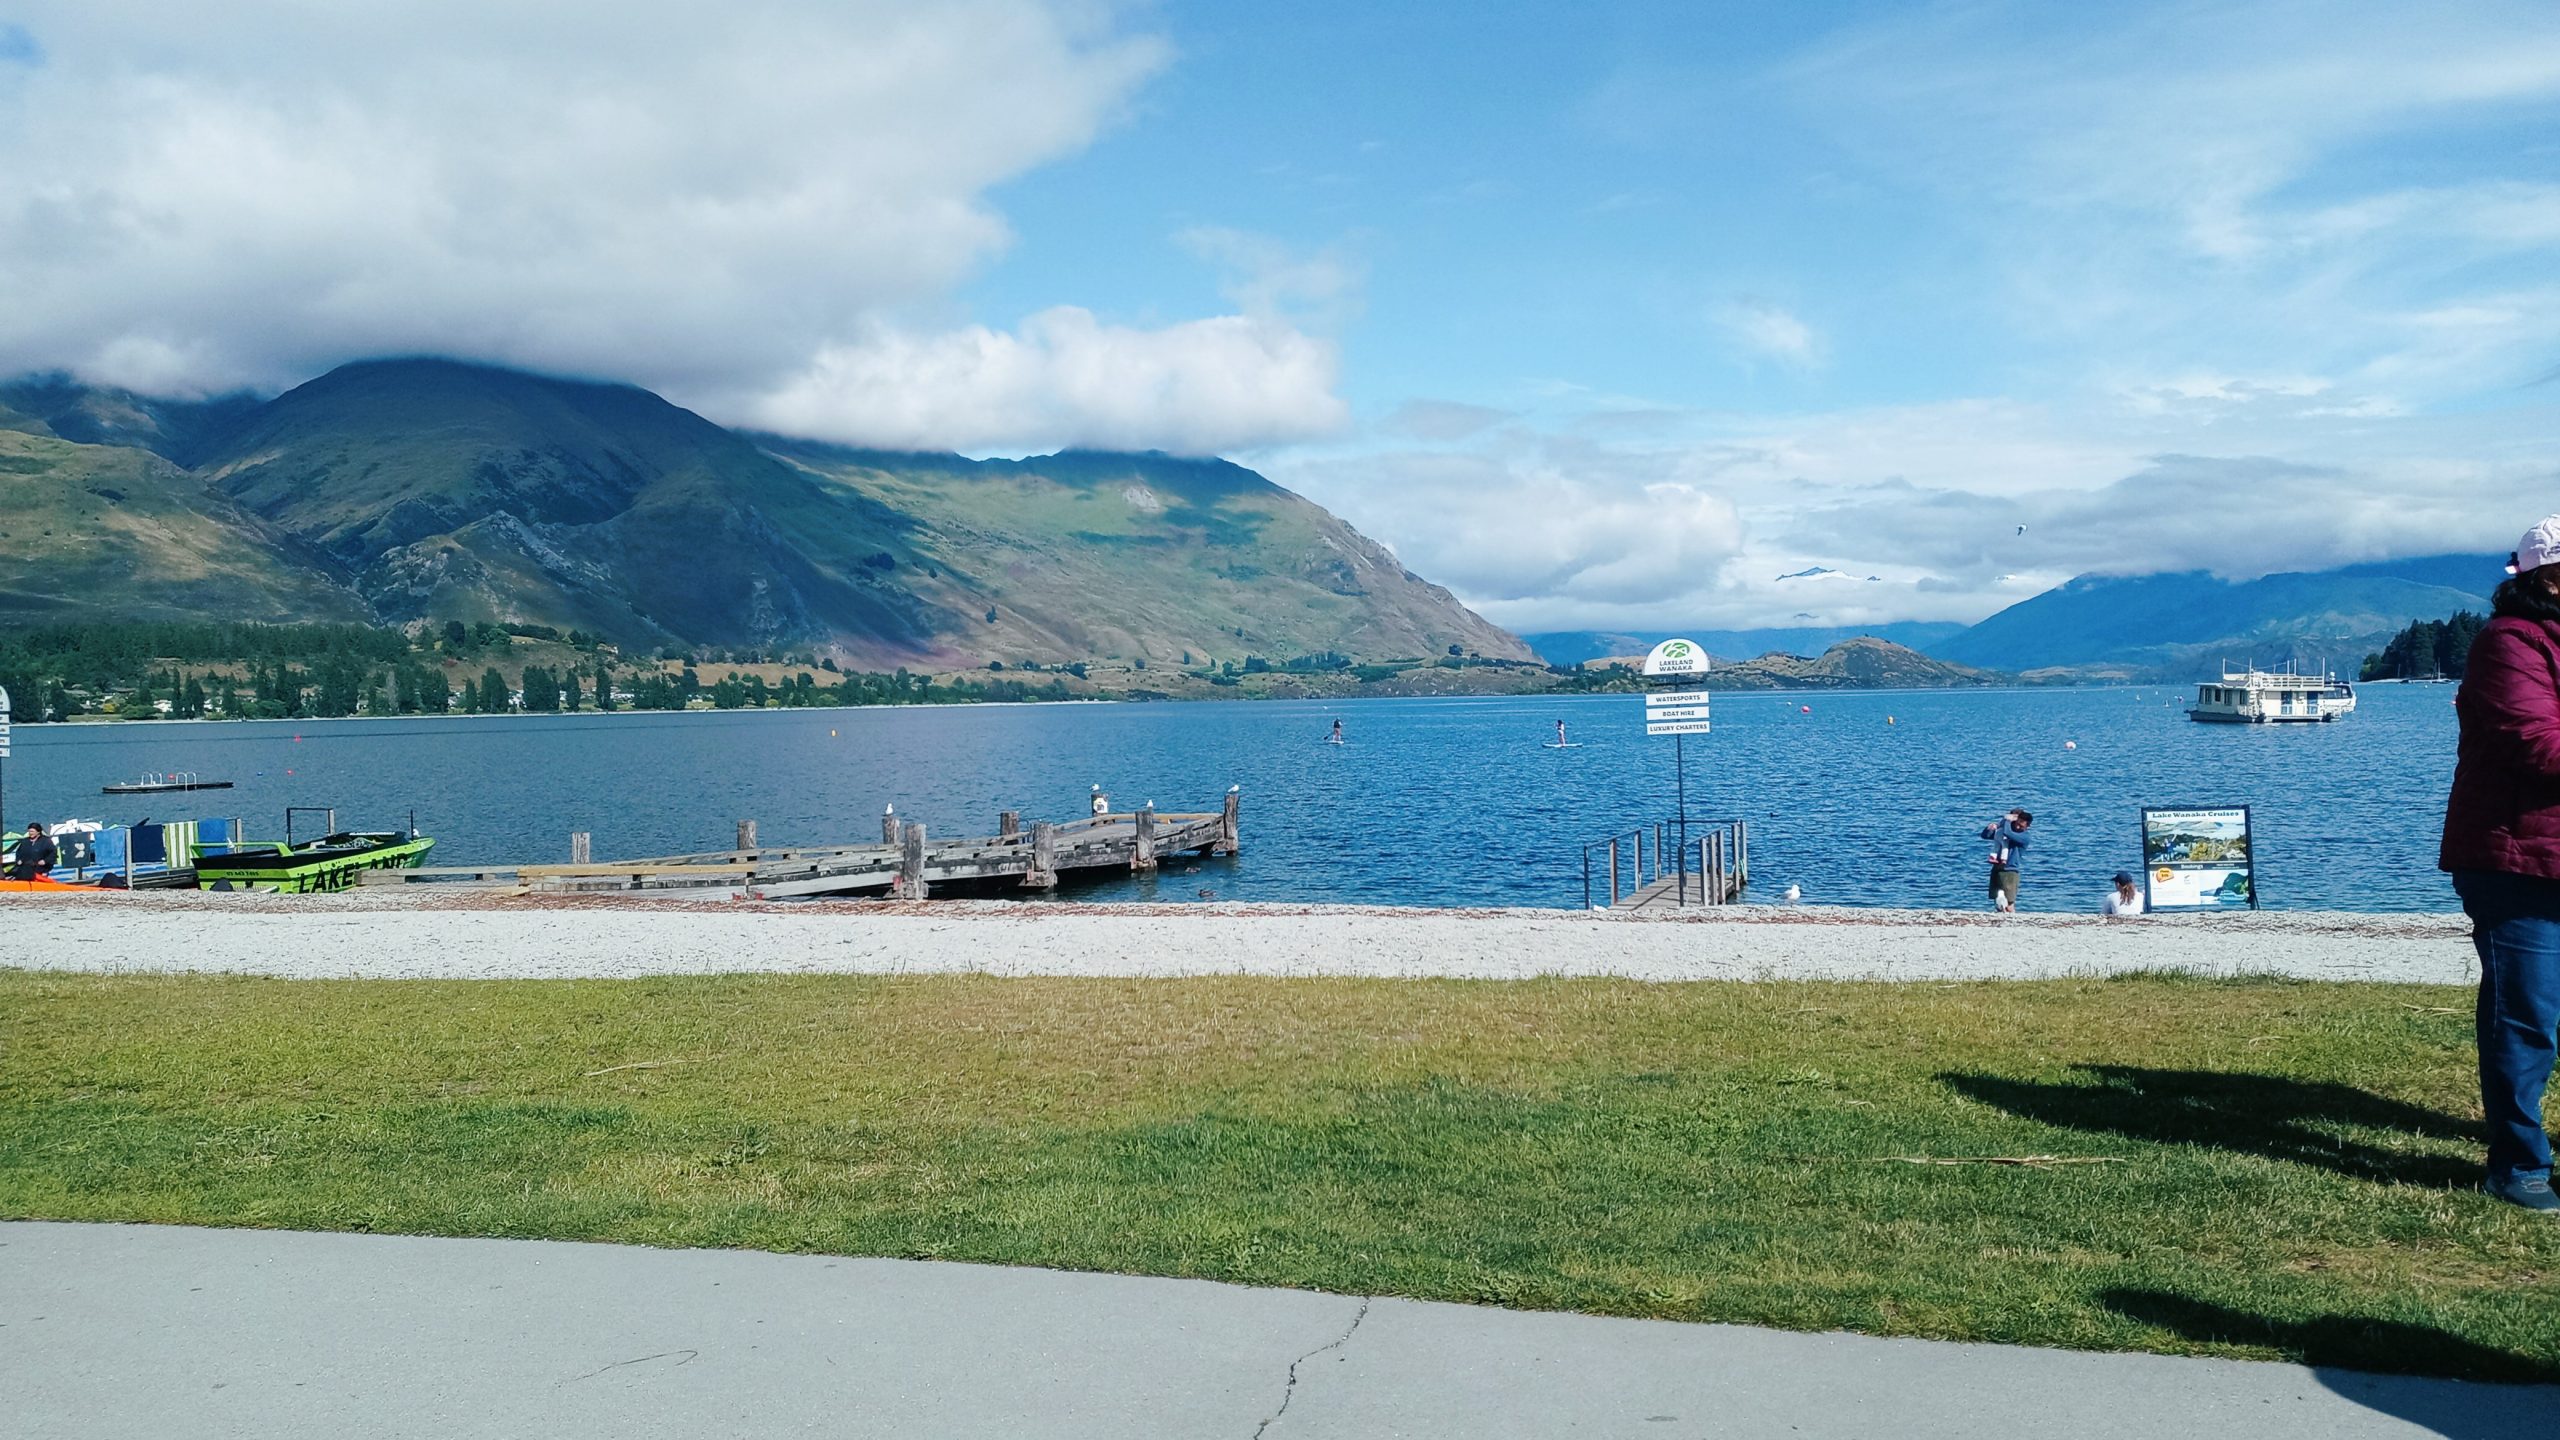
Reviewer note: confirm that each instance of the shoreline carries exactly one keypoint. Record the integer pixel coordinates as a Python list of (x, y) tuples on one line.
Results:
[(397, 934), (106, 722)]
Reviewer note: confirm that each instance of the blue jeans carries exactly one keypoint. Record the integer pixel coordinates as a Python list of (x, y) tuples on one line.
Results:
[(2516, 928)]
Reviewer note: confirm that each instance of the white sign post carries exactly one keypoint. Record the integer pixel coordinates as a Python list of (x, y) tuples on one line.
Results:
[(1678, 710)]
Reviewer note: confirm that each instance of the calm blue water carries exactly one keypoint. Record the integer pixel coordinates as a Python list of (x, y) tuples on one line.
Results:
[(1434, 802)]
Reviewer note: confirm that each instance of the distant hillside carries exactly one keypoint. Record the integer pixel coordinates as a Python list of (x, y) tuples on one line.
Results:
[(1085, 553), (1863, 663), (404, 490), (2171, 624), (174, 430), (1573, 647), (90, 532)]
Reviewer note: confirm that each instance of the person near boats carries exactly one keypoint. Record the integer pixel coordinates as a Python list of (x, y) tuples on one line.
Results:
[(2124, 901), (2008, 837), (35, 854), (2502, 848)]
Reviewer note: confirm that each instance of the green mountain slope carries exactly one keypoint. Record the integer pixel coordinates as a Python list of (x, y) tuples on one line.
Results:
[(111, 532), (447, 491), (1149, 557), (433, 490)]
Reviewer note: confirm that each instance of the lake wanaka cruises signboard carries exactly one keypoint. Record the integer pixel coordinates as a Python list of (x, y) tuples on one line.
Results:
[(2198, 859)]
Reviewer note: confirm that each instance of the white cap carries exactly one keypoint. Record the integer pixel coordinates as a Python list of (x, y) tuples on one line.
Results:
[(2539, 547)]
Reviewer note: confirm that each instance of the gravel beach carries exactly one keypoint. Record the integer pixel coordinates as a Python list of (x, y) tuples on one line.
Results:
[(401, 934)]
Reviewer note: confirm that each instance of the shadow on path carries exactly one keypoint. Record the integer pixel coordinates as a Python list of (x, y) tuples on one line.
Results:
[(2269, 1115), (2345, 1351)]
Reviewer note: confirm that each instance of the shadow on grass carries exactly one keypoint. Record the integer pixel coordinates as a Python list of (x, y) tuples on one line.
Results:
[(2347, 1351), (2270, 1115)]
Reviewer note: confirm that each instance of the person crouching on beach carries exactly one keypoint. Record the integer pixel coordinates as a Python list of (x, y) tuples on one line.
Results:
[(2008, 837), (2124, 900), (35, 854), (2502, 847)]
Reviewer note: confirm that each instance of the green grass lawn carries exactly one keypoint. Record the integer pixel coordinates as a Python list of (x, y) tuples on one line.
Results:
[(2264, 1169)]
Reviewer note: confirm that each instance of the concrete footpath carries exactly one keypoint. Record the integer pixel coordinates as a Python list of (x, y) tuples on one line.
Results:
[(116, 1330)]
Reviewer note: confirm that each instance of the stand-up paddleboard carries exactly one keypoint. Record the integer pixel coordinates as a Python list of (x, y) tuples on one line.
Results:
[(1564, 745)]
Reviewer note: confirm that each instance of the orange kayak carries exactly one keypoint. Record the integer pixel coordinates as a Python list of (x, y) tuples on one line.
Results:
[(46, 887)]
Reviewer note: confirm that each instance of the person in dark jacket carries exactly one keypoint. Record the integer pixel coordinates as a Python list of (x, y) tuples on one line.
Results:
[(35, 854), (2502, 847), (2008, 837)]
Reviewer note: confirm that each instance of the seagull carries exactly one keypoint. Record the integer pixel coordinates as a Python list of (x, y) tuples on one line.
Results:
[(1208, 894), (1792, 894)]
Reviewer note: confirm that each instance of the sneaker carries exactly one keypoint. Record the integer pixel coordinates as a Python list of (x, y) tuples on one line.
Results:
[(2533, 1192)]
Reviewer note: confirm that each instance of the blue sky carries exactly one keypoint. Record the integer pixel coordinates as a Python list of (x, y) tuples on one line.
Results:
[(1604, 317)]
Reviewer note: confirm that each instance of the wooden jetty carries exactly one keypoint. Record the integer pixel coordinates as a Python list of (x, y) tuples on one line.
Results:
[(1625, 873), (905, 863)]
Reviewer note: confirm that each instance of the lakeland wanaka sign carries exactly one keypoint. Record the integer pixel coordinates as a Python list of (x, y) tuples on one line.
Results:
[(1676, 660), (2199, 859)]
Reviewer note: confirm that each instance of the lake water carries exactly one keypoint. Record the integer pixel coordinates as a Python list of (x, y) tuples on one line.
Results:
[(1433, 802)]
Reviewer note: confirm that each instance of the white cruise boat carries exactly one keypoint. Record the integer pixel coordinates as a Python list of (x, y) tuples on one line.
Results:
[(2262, 697)]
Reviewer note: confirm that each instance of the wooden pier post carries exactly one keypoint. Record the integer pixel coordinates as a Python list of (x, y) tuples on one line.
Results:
[(1143, 856), (581, 851), (1043, 874), (746, 834), (889, 825), (1009, 825), (1613, 871), (1228, 833), (911, 884)]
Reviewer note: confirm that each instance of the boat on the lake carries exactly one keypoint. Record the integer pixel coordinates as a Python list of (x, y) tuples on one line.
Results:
[(332, 862), (2264, 697), (156, 784)]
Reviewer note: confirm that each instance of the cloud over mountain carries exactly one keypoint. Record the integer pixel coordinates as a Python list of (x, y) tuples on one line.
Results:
[(200, 197)]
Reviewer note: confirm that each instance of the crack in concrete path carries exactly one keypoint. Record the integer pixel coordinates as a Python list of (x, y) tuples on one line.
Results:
[(1289, 1391), (689, 1357)]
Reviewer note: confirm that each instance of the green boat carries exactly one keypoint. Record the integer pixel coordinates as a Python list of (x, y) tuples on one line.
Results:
[(331, 862)]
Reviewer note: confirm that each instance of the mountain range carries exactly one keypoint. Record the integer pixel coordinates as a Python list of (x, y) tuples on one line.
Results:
[(396, 491), (405, 490), (2138, 627)]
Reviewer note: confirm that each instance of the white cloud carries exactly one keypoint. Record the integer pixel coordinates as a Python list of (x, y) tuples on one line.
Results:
[(1267, 279), (1771, 332), (1066, 379), (1518, 519), (1697, 518), (722, 204)]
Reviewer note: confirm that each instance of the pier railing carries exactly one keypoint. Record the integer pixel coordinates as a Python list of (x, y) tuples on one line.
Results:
[(1651, 866)]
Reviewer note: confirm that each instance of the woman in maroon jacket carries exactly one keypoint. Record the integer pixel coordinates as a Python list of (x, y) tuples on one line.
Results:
[(2502, 844)]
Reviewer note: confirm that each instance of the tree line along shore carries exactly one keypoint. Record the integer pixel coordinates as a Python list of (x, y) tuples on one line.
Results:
[(193, 671)]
